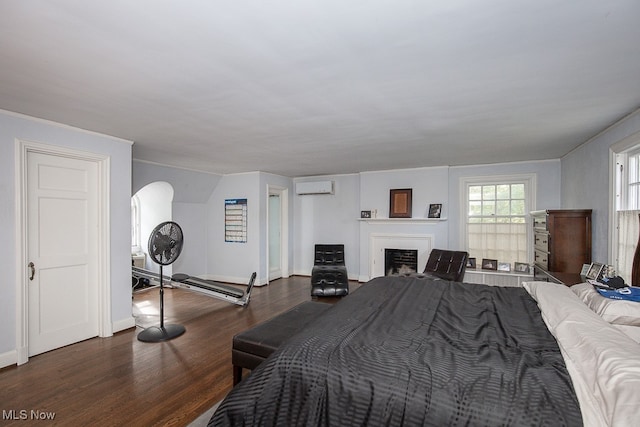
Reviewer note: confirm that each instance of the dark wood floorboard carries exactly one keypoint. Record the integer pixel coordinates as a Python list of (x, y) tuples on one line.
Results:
[(119, 380)]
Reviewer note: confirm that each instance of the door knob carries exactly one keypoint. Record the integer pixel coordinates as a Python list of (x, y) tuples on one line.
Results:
[(32, 266)]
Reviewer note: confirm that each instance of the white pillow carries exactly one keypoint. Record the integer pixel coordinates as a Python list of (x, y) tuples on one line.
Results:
[(614, 311), (603, 362)]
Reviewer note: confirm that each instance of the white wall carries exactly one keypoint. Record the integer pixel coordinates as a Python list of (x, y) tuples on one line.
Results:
[(429, 185), (198, 206), (227, 261), (586, 183), (188, 186), (191, 193), (192, 218), (14, 126), (334, 218), (327, 218)]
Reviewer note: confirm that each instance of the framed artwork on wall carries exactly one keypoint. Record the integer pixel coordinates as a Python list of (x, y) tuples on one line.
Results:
[(400, 202), (235, 220)]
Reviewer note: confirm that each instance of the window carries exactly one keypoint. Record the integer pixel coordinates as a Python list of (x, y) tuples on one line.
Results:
[(628, 180), (627, 207), (135, 225), (495, 224)]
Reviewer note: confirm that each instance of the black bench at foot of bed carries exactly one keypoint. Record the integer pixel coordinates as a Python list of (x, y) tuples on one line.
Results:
[(253, 346)]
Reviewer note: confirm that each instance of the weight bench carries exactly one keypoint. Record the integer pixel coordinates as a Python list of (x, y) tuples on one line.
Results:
[(253, 346), (207, 287)]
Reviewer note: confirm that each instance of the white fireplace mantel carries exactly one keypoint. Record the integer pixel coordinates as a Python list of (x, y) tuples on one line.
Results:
[(402, 220), (378, 242)]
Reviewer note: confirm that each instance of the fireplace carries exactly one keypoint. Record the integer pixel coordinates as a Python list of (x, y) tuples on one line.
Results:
[(378, 242), (400, 261)]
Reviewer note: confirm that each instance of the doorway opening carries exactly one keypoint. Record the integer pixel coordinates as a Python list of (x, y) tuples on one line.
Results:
[(277, 233), (150, 206)]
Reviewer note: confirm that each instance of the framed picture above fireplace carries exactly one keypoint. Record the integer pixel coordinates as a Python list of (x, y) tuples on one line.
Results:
[(400, 203)]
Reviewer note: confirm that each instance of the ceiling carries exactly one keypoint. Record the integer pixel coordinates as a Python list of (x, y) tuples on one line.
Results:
[(312, 87)]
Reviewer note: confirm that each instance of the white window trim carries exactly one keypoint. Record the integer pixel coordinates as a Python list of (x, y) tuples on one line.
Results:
[(622, 180), (627, 144), (530, 182)]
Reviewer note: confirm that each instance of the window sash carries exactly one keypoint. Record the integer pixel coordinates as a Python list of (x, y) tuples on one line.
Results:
[(628, 180), (487, 234), (504, 242)]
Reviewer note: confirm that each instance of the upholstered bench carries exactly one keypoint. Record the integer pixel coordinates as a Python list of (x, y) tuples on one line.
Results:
[(253, 346)]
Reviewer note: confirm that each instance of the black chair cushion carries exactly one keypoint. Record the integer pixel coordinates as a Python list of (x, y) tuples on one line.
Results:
[(447, 265), (329, 255), (329, 275)]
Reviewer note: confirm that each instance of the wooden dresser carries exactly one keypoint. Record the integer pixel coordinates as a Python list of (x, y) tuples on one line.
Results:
[(562, 242)]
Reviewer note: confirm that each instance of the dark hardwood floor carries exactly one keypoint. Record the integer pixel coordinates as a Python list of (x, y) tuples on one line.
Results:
[(120, 381)]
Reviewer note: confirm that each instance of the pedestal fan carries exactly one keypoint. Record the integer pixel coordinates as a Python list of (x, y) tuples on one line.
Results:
[(165, 244)]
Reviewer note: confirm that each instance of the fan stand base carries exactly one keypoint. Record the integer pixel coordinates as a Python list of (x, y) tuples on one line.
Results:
[(159, 334)]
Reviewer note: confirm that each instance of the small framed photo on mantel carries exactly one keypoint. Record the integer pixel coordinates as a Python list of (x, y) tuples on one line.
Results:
[(435, 210)]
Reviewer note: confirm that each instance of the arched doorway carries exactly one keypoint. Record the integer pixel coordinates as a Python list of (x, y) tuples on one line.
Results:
[(150, 206)]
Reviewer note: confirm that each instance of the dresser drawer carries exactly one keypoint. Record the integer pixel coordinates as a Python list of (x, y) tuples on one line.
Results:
[(541, 241), (540, 222), (542, 259)]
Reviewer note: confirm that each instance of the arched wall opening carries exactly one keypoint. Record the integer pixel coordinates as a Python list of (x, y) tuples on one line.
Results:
[(150, 206)]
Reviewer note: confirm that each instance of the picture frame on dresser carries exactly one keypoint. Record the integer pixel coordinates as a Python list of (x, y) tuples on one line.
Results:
[(585, 269), (595, 271)]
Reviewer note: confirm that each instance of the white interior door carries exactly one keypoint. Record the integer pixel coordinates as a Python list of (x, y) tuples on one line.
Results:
[(275, 236), (62, 236)]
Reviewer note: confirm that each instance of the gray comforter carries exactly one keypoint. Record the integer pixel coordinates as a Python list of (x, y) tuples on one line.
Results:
[(410, 351)]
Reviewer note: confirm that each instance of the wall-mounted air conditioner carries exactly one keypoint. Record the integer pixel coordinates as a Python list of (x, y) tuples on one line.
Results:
[(314, 187)]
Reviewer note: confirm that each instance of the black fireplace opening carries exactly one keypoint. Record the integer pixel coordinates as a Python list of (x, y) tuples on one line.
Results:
[(400, 261)]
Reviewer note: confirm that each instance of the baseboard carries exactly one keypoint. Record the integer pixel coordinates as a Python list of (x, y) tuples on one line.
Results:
[(121, 325), (8, 358)]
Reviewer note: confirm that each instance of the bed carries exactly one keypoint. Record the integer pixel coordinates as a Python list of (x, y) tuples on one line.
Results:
[(415, 351)]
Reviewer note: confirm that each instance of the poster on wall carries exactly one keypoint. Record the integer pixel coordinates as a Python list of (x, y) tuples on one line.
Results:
[(235, 220)]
